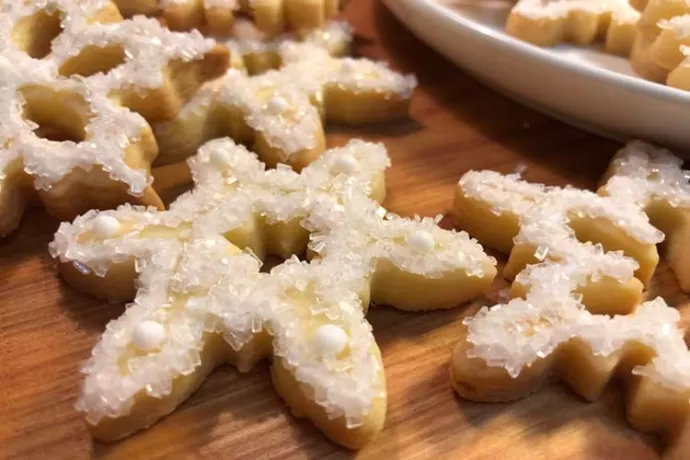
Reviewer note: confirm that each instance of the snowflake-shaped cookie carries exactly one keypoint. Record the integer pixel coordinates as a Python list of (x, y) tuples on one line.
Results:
[(258, 53), (557, 321), (218, 16), (551, 22), (668, 49), (200, 300), (76, 84), (658, 51), (280, 112)]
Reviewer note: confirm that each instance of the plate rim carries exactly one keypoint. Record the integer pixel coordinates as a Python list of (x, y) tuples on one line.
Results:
[(547, 55)]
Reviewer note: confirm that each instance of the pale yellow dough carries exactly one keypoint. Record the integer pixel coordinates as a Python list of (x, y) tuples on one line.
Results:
[(63, 115), (272, 16), (639, 343), (185, 267)]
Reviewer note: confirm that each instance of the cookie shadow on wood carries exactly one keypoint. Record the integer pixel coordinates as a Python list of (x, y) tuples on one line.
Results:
[(89, 313), (597, 429), (394, 128), (238, 410), (29, 239)]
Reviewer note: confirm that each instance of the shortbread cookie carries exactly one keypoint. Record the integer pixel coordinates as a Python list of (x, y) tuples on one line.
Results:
[(279, 113), (558, 322), (675, 32), (535, 223), (146, 67), (70, 72), (657, 49), (217, 16), (680, 76), (667, 50), (657, 11), (260, 53), (642, 62), (551, 22), (200, 300), (653, 179), (509, 350)]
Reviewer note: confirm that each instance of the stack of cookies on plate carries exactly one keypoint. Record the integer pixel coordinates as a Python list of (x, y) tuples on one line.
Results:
[(653, 34)]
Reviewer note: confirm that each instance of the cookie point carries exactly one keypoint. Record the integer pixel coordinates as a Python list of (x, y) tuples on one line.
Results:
[(105, 226), (345, 164), (330, 340), (421, 240), (148, 335)]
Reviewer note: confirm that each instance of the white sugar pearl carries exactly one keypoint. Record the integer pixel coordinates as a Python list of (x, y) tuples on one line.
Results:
[(330, 339), (105, 226), (148, 335), (348, 66), (277, 105), (220, 159), (421, 240), (345, 164)]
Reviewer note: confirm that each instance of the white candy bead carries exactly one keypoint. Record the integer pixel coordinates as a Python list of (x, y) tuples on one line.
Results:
[(421, 240), (348, 66), (220, 159), (330, 340), (148, 335), (105, 226), (345, 164), (277, 105)]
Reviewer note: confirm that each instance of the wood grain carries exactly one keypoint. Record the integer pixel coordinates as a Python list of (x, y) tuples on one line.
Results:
[(47, 329)]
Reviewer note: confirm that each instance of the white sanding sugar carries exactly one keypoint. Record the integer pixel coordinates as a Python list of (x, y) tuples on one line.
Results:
[(194, 283), (518, 333), (109, 129)]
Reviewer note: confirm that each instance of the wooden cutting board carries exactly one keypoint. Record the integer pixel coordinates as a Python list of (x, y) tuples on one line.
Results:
[(47, 330)]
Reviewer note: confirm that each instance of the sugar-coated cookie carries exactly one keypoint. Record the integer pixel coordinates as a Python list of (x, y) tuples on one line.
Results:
[(280, 112), (662, 32), (551, 22), (642, 62), (200, 298), (83, 139), (578, 258), (669, 49), (258, 53), (77, 87), (680, 76), (217, 17), (653, 179)]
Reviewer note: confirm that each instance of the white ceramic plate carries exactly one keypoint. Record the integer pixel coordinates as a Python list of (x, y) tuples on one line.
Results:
[(584, 87)]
